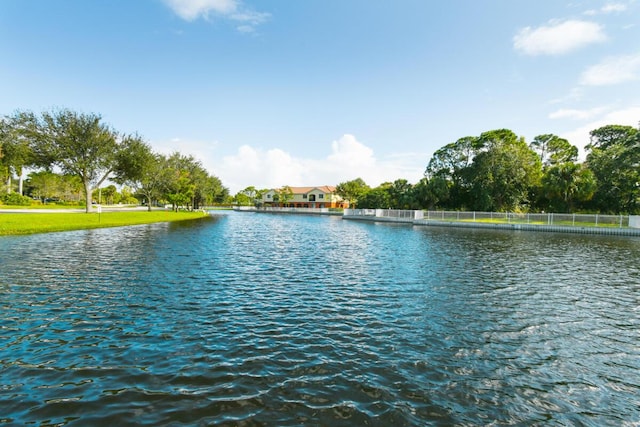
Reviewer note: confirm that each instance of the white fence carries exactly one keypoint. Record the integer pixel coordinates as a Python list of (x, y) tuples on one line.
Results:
[(395, 215), (583, 220), (388, 214)]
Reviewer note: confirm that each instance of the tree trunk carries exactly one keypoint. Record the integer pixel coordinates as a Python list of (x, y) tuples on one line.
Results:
[(87, 195), (20, 179), (9, 184)]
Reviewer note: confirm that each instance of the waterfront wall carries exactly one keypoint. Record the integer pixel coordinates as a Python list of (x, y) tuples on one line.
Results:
[(618, 225), (558, 223)]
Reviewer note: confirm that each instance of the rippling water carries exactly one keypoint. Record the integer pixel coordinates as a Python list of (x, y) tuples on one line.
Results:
[(249, 319)]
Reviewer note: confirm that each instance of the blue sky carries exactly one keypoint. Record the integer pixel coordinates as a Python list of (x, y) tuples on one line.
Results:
[(316, 92)]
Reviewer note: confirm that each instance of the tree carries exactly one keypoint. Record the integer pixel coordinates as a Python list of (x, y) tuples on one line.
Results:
[(109, 194), (566, 183), (147, 172), (46, 185), (79, 144), (15, 152), (189, 183), (553, 150), (352, 190), (503, 172), (606, 136), (250, 196), (42, 185), (400, 194), (429, 193), (614, 158), (447, 169), (377, 198), (283, 195)]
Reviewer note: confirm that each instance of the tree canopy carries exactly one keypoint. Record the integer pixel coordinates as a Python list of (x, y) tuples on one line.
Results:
[(498, 171), (83, 146)]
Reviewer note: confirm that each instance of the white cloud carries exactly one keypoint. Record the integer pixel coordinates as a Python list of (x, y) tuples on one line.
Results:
[(614, 7), (612, 70), (607, 8), (580, 136), (347, 160), (576, 94), (577, 114), (348, 152), (558, 37), (190, 10)]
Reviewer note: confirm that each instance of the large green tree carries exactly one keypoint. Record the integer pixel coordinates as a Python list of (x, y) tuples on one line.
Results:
[(377, 198), (145, 171), (45, 185), (503, 172), (567, 183), (401, 194), (553, 150), (77, 143), (15, 152), (614, 157), (189, 184), (447, 170), (250, 196), (352, 191)]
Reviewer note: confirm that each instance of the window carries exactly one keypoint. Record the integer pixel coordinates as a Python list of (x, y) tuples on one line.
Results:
[(320, 196), (304, 196), (268, 196), (312, 198)]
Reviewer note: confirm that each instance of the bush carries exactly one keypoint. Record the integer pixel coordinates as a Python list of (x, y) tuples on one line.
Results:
[(15, 199)]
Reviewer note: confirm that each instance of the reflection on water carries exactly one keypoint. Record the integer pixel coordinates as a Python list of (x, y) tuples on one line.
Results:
[(287, 320)]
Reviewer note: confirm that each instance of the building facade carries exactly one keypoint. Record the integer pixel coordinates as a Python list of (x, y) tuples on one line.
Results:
[(306, 197)]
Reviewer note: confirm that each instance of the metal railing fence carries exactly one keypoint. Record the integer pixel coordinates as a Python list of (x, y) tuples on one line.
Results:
[(582, 220)]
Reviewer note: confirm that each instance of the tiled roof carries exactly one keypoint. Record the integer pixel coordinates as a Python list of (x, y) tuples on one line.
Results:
[(304, 190)]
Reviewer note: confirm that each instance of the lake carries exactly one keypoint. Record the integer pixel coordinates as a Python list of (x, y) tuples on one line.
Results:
[(258, 319)]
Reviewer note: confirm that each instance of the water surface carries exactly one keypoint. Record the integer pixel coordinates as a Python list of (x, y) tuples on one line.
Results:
[(257, 319)]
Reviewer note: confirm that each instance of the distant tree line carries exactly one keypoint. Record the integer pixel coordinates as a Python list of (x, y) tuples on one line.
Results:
[(73, 154), (499, 171)]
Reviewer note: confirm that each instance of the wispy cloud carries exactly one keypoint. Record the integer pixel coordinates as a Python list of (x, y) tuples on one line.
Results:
[(234, 10), (190, 10), (348, 159), (607, 8), (574, 114), (580, 136), (558, 37), (612, 70)]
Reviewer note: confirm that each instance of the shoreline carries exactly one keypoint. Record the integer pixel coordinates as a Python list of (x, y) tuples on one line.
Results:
[(607, 231), (36, 222)]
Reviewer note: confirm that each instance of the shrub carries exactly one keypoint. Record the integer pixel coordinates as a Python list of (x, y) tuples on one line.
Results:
[(15, 199)]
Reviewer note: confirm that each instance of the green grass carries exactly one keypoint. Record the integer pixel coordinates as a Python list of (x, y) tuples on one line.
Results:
[(555, 222), (30, 223), (40, 206)]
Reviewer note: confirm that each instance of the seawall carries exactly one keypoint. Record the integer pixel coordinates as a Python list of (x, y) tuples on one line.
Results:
[(609, 231)]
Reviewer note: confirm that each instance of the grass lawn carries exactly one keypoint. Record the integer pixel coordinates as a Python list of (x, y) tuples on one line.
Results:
[(29, 223), (557, 222), (36, 207)]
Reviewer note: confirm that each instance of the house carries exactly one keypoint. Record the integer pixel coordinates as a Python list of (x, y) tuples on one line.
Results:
[(306, 197)]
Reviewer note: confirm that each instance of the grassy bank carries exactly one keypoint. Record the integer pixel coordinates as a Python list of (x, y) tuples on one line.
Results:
[(30, 223)]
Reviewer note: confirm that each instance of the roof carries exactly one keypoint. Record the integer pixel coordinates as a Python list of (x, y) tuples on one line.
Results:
[(305, 190)]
